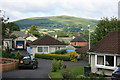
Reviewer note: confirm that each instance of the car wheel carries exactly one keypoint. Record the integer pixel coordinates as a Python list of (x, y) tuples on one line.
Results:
[(33, 67), (37, 66)]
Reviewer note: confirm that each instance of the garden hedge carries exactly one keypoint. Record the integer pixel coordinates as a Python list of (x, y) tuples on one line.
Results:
[(52, 56)]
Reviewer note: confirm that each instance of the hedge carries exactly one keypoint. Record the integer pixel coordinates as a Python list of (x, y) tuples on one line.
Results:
[(52, 56)]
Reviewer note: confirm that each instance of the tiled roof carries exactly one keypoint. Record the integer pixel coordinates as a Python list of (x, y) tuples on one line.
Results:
[(66, 39), (21, 33), (78, 39), (108, 44), (47, 40), (83, 49)]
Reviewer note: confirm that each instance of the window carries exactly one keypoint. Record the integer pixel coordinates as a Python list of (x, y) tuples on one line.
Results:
[(118, 60), (43, 49), (40, 49), (100, 60), (57, 48), (109, 61)]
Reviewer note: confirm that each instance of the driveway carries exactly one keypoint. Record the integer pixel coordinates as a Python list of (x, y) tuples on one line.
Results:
[(41, 72)]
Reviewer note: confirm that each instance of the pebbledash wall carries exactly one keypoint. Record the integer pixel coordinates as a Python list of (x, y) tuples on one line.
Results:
[(51, 48)]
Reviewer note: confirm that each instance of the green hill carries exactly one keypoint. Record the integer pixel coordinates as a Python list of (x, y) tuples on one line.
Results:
[(64, 23)]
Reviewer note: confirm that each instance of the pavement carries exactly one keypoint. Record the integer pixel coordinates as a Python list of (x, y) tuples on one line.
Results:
[(41, 72)]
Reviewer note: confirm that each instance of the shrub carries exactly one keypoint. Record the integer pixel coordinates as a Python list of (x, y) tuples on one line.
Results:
[(68, 74), (60, 63), (56, 65), (6, 54), (18, 55), (63, 51), (73, 56), (52, 56)]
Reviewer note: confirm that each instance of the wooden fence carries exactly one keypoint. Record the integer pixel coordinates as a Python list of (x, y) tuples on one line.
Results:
[(8, 66)]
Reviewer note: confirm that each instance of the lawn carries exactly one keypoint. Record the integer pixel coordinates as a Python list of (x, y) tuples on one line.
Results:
[(77, 70)]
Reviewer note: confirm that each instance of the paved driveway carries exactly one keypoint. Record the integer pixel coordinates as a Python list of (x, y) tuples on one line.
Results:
[(41, 72)]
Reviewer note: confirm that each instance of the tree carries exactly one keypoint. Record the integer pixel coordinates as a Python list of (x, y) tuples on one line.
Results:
[(13, 26), (33, 30), (103, 27), (7, 28)]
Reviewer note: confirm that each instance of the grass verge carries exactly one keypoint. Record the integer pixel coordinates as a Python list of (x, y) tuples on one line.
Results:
[(77, 70)]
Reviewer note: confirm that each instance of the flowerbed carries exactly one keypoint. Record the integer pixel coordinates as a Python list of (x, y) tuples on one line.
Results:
[(8, 64)]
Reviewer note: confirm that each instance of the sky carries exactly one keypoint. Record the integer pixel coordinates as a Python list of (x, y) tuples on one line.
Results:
[(93, 9)]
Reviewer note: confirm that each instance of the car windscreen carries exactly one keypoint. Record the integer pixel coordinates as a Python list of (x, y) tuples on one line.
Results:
[(117, 69), (26, 57)]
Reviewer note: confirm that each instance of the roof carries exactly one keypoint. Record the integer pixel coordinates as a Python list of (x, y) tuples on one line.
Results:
[(66, 39), (78, 39), (108, 44), (21, 33), (83, 49), (70, 47), (20, 38), (47, 40)]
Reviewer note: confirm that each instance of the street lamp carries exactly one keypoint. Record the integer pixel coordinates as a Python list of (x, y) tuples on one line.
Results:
[(89, 35), (89, 44)]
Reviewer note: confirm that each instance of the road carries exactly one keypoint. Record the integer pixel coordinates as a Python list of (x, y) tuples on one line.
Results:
[(41, 72)]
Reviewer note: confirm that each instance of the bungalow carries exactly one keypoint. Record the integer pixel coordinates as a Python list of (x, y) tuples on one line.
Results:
[(78, 41), (25, 35), (46, 44), (106, 54)]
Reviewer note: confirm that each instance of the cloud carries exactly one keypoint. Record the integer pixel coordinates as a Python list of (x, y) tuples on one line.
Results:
[(18, 9)]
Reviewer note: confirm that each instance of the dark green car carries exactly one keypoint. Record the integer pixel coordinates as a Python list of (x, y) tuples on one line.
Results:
[(28, 61)]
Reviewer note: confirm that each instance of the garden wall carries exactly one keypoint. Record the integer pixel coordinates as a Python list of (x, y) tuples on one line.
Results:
[(8, 66)]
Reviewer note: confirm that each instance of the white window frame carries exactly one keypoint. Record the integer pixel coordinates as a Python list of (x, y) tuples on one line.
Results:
[(42, 48), (57, 48), (104, 66)]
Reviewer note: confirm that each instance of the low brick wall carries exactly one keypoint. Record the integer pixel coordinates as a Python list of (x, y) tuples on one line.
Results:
[(8, 66)]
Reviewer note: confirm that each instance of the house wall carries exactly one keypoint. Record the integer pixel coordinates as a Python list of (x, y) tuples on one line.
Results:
[(79, 43), (9, 43), (96, 68), (33, 50), (52, 48)]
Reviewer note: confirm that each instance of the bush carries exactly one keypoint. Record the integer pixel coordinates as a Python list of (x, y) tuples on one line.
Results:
[(73, 56), (52, 56), (63, 51), (18, 55), (6, 54), (56, 65), (68, 74)]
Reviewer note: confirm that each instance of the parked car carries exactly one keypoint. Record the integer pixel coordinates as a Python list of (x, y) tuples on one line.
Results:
[(20, 46), (28, 61), (116, 74)]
